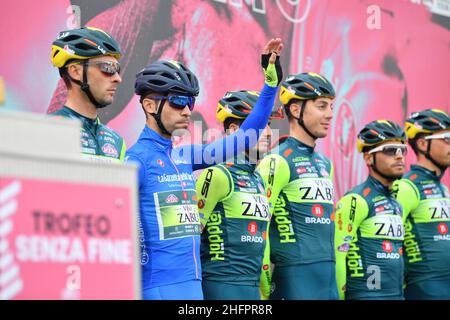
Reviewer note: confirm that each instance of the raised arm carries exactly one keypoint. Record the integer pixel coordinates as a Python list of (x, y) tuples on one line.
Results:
[(247, 136)]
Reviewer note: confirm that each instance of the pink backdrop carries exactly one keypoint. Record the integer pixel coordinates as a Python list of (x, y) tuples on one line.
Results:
[(382, 73)]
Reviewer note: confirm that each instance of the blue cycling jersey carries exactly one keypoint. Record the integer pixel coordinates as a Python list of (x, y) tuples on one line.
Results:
[(169, 220)]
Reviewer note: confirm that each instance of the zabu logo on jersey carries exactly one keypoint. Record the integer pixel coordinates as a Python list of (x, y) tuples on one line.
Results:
[(441, 211), (320, 190)]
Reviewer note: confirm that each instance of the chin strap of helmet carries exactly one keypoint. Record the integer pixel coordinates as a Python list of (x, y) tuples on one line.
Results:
[(428, 156), (85, 87), (301, 123), (157, 117)]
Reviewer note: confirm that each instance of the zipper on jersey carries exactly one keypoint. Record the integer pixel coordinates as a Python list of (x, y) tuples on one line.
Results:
[(182, 188)]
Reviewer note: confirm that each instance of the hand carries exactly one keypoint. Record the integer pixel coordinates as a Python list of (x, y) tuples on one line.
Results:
[(270, 62)]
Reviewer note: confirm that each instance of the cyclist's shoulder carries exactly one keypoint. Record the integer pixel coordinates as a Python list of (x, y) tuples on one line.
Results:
[(103, 129), (64, 112), (361, 192)]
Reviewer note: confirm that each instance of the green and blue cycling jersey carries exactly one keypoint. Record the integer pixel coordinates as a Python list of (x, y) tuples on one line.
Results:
[(300, 189), (426, 205), (234, 212), (169, 218), (98, 142), (368, 239)]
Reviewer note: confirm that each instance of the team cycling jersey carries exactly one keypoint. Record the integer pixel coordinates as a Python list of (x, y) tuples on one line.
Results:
[(300, 188), (426, 205), (98, 142), (369, 235), (234, 211)]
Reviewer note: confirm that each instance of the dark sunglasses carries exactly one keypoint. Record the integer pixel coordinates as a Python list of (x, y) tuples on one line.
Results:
[(107, 67), (178, 102), (391, 149)]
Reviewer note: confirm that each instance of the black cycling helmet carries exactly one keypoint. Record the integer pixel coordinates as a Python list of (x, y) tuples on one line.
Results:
[(426, 121), (305, 86), (166, 77), (83, 44), (239, 104), (423, 123), (377, 132)]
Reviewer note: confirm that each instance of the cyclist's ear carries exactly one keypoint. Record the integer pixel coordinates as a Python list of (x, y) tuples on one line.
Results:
[(149, 105), (368, 159), (75, 71)]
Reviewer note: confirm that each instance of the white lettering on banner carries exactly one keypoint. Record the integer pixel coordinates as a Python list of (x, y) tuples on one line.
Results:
[(441, 7), (70, 250), (300, 11), (10, 282)]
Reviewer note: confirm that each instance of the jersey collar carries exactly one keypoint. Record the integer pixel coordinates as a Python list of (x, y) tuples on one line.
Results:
[(302, 146), (378, 185), (430, 173), (88, 121), (242, 162), (149, 134)]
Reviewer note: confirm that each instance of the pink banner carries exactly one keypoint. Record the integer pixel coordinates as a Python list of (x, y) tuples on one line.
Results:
[(58, 241)]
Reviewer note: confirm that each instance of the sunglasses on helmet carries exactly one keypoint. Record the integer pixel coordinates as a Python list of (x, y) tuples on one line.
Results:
[(444, 136), (391, 149), (178, 102)]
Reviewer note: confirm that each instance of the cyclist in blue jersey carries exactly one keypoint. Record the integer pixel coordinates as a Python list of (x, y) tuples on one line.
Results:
[(169, 219)]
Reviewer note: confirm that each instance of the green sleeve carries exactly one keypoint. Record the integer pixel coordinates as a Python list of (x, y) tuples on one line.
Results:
[(266, 271), (122, 151), (213, 185), (351, 210), (407, 195), (275, 172)]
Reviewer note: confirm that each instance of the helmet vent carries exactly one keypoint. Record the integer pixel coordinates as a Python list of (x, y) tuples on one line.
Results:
[(84, 46), (56, 52), (159, 82), (71, 37), (295, 81), (324, 90), (429, 123), (303, 89), (109, 47)]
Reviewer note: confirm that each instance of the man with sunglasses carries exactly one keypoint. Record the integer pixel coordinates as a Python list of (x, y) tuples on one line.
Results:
[(369, 227), (169, 218), (300, 188), (426, 207), (234, 210), (87, 59)]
